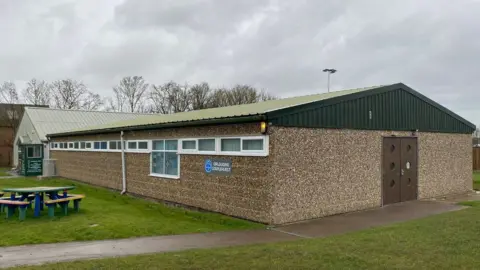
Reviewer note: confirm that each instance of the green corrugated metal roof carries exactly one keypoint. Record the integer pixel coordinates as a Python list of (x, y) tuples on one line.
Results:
[(223, 112)]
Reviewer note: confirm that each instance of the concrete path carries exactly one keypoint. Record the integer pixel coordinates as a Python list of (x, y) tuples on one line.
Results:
[(45, 253)]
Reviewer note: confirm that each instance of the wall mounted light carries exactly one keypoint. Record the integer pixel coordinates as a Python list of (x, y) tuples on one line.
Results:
[(263, 127)]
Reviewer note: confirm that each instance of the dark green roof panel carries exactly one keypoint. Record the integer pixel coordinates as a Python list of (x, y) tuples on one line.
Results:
[(395, 107)]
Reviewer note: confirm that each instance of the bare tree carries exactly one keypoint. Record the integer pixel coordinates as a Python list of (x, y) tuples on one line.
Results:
[(219, 98), (91, 102), (242, 94), (170, 98), (10, 114), (8, 93), (37, 93), (200, 96), (130, 94), (73, 95), (264, 96)]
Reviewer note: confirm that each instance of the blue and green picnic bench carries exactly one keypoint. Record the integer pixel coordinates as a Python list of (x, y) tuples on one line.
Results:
[(25, 196)]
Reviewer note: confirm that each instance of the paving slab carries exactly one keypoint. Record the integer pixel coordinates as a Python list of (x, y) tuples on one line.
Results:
[(355, 221), (48, 253)]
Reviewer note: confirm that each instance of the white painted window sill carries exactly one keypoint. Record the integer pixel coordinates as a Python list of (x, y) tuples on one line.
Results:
[(164, 176)]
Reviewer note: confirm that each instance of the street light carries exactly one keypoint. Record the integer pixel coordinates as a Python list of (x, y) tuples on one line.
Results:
[(330, 71)]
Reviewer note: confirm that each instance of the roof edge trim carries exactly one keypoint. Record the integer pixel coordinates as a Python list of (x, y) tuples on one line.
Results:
[(229, 120)]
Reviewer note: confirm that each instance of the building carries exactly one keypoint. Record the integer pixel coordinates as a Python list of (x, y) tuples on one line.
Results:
[(10, 115), (31, 143), (284, 160)]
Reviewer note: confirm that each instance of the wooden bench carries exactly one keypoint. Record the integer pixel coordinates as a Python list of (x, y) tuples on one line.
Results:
[(12, 205), (30, 198), (63, 202)]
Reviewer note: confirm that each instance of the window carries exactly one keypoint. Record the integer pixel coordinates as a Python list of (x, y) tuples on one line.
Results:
[(165, 160), (143, 145), (137, 146), (82, 145), (230, 145), (76, 145), (96, 145), (34, 151), (52, 145), (70, 145), (112, 145), (189, 145), (132, 145), (206, 145), (88, 145), (252, 144), (103, 145)]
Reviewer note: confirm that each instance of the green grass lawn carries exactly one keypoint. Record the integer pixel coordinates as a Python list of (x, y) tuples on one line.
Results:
[(446, 241), (3, 172), (476, 180), (105, 214)]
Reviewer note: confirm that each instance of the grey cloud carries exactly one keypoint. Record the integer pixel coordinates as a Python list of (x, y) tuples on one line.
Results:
[(278, 45)]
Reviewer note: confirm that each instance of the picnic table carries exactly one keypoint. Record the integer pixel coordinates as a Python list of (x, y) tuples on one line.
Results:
[(39, 192)]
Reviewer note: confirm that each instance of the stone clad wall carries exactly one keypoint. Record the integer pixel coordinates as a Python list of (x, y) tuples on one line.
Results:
[(245, 193), (321, 172)]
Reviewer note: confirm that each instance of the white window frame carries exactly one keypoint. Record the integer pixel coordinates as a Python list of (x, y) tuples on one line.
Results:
[(136, 150), (33, 149), (218, 147), (170, 151)]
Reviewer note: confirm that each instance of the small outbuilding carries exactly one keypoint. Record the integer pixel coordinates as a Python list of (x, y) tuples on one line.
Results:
[(284, 160), (31, 147)]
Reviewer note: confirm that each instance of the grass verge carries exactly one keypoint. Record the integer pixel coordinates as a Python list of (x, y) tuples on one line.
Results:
[(108, 215), (445, 241), (476, 180), (3, 172)]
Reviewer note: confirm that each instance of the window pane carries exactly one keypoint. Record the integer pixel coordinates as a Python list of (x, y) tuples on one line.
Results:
[(171, 144), (29, 151), (189, 145), (103, 145), (52, 145), (88, 145), (56, 145), (70, 145), (112, 145), (232, 145), (75, 145), (82, 145), (119, 145), (37, 151), (158, 162), (256, 144), (142, 145), (64, 145), (206, 145), (96, 145), (171, 163), (132, 145), (158, 145)]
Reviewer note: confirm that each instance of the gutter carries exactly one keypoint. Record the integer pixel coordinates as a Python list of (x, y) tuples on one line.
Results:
[(217, 121), (124, 174)]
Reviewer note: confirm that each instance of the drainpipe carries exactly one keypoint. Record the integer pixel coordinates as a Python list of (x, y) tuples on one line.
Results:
[(124, 174)]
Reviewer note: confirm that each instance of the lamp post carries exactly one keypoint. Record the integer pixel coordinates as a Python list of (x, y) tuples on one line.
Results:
[(329, 71)]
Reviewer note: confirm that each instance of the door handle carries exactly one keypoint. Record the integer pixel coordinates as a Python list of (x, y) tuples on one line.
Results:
[(402, 172)]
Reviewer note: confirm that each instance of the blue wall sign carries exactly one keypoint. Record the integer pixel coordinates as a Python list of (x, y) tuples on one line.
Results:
[(208, 166), (218, 166)]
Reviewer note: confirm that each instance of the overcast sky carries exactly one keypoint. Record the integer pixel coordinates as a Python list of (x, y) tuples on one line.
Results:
[(281, 46)]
